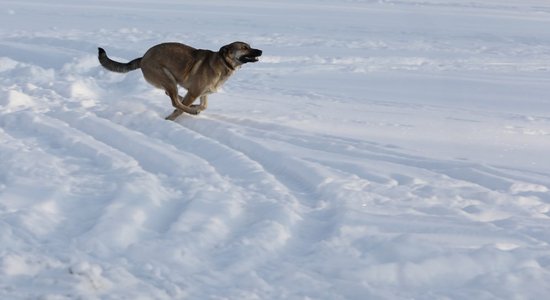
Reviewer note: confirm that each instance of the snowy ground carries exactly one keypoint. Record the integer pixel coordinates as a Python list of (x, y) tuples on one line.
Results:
[(379, 150)]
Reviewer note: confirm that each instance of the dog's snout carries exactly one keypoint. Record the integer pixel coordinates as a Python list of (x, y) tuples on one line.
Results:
[(258, 52)]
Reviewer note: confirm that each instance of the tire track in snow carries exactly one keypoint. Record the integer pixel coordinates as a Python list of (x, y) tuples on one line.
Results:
[(310, 148), (269, 209), (85, 165), (134, 203), (316, 233), (489, 177), (478, 187), (222, 214), (310, 183), (300, 177), (163, 165), (272, 207), (268, 212), (137, 202), (229, 163)]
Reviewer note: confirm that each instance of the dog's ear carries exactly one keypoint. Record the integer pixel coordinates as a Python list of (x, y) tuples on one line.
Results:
[(224, 50)]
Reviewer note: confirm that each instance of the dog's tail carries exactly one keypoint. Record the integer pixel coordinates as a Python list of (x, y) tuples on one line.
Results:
[(116, 66)]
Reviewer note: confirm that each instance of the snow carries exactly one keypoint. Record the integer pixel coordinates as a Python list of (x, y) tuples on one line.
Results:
[(392, 149)]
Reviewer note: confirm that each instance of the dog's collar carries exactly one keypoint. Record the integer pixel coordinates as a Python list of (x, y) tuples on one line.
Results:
[(227, 64)]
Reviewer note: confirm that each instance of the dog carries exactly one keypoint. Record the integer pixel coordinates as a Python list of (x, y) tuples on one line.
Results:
[(201, 72)]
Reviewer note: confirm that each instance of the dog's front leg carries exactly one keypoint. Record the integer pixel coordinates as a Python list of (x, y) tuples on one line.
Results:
[(183, 106), (202, 106)]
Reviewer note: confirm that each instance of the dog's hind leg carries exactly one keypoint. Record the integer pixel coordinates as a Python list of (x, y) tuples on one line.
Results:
[(164, 79), (182, 104)]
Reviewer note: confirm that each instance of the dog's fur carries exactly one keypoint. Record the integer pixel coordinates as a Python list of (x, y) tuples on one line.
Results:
[(201, 72)]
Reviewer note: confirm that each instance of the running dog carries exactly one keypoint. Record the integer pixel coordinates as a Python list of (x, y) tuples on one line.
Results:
[(200, 72)]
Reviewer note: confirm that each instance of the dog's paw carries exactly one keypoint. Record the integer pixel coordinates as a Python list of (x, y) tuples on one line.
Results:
[(196, 109), (193, 111), (174, 115)]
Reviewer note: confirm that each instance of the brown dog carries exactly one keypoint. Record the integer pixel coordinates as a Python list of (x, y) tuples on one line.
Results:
[(199, 71)]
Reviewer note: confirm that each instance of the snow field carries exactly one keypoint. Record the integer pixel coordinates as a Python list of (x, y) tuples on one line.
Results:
[(370, 154)]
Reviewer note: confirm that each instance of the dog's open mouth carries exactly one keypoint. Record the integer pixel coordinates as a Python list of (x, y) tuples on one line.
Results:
[(247, 59), (253, 56)]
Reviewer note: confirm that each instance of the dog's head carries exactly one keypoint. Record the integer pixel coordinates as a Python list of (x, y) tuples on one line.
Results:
[(238, 53)]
